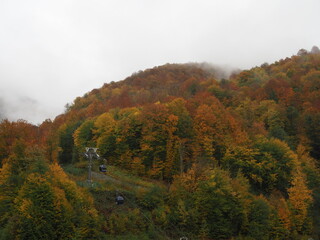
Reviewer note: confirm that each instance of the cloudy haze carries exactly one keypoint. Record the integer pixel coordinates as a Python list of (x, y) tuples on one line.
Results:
[(53, 51)]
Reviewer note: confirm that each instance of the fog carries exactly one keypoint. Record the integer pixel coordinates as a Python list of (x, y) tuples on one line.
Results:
[(53, 51)]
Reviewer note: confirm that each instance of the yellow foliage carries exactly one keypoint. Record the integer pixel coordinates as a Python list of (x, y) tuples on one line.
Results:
[(61, 178), (300, 198), (24, 208), (60, 198), (188, 180), (137, 165), (105, 123), (4, 173), (116, 92)]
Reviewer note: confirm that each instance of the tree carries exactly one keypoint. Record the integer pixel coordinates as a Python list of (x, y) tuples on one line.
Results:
[(219, 206), (158, 143), (259, 219), (268, 165), (42, 212), (183, 133), (10, 132), (312, 128), (38, 201), (66, 143), (279, 162), (107, 146), (215, 129), (128, 137), (12, 177), (83, 136), (315, 50), (302, 52), (300, 199), (205, 123)]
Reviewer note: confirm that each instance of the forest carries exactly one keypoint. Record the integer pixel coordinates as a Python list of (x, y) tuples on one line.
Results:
[(196, 155)]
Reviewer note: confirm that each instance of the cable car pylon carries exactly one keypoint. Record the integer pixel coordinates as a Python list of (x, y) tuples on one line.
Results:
[(90, 154)]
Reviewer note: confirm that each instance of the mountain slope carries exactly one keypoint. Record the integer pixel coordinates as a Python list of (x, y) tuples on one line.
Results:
[(239, 156)]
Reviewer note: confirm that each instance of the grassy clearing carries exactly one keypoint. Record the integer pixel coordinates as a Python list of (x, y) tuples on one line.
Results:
[(126, 177), (140, 194), (73, 170), (119, 176)]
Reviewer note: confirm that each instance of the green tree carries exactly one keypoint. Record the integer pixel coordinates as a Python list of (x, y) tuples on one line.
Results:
[(259, 219), (312, 126), (219, 206), (268, 164), (278, 162), (83, 136), (66, 142)]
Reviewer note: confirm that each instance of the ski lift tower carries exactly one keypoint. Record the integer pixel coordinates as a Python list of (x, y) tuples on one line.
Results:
[(90, 154)]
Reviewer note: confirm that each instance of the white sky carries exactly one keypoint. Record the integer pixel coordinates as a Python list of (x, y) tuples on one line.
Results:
[(53, 51)]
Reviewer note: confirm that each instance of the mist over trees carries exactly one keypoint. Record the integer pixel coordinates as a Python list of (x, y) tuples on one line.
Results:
[(238, 155)]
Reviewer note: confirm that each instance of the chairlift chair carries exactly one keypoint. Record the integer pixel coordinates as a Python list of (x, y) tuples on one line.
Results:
[(102, 168), (119, 200)]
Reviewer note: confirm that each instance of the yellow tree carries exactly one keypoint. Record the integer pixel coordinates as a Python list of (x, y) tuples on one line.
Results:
[(105, 126), (172, 144), (128, 138), (300, 199), (83, 136), (158, 140)]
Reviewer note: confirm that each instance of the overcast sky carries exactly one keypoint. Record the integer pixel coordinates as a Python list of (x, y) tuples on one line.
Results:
[(53, 51)]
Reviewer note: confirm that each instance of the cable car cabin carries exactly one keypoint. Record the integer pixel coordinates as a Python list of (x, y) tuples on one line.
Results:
[(102, 168), (119, 200)]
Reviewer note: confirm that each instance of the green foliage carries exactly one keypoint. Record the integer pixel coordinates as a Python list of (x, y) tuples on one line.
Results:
[(184, 125), (107, 146), (206, 205), (219, 207), (152, 198), (312, 122), (76, 171), (83, 136), (268, 165), (279, 160), (131, 221), (259, 219), (66, 142)]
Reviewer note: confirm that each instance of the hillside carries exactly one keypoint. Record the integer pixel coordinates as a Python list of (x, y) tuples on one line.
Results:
[(231, 157), (157, 84)]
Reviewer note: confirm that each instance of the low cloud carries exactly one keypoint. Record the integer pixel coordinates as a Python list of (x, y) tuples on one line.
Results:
[(218, 71), (22, 107)]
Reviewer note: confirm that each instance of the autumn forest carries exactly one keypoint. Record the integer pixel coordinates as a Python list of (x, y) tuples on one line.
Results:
[(197, 154)]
